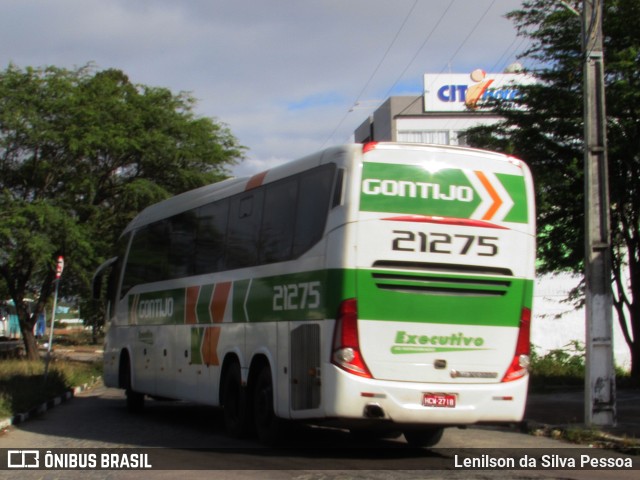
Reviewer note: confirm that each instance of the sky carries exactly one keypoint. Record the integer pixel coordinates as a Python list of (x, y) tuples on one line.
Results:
[(288, 77)]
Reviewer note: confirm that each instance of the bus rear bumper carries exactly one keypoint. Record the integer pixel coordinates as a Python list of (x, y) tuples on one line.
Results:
[(404, 402)]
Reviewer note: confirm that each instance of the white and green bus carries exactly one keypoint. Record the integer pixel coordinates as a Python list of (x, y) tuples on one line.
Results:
[(382, 287)]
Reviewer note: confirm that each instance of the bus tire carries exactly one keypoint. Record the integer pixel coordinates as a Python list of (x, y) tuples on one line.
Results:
[(424, 438), (135, 400), (234, 403), (268, 426)]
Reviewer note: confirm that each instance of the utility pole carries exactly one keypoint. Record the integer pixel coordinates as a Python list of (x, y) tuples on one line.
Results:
[(600, 381)]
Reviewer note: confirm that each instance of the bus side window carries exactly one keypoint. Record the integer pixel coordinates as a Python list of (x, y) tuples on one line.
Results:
[(278, 221), (244, 229), (210, 237), (182, 238), (313, 207), (338, 189), (148, 256)]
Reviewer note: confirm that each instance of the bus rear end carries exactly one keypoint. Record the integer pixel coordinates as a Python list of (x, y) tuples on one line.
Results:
[(437, 333)]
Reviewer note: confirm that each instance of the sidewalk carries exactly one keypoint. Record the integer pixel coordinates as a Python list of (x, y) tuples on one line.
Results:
[(89, 353), (564, 410), (545, 412)]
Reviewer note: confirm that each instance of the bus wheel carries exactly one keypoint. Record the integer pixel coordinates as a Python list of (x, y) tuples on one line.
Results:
[(424, 438), (236, 418), (135, 400), (268, 426)]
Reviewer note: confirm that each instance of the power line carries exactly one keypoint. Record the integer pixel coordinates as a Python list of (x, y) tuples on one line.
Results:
[(475, 27), (507, 54), (413, 59), (417, 53), (387, 52), (424, 43), (384, 56)]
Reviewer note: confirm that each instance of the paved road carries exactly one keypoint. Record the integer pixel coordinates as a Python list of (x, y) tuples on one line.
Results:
[(98, 419)]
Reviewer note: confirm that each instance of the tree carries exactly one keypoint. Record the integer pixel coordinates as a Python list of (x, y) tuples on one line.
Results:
[(546, 130), (81, 152)]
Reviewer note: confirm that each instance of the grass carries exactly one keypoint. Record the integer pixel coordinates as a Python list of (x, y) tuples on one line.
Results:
[(564, 368), (23, 386), (70, 337), (22, 383)]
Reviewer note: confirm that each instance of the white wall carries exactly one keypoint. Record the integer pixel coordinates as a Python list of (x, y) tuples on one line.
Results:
[(549, 332)]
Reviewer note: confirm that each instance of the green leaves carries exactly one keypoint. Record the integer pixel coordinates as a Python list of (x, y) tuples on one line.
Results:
[(32, 235), (81, 153), (548, 135)]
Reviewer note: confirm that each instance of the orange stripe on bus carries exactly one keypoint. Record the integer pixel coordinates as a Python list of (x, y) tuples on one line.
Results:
[(256, 180), (219, 301), (210, 346), (497, 201)]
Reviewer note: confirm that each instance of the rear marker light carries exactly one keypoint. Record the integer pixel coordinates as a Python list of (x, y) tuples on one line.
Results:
[(346, 344), (372, 395)]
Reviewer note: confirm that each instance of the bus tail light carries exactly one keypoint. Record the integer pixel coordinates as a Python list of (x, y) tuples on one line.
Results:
[(520, 363), (346, 344)]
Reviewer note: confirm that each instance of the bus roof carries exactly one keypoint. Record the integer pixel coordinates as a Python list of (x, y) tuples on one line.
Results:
[(209, 193), (183, 202)]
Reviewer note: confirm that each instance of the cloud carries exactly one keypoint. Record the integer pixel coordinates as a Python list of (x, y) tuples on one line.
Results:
[(283, 74)]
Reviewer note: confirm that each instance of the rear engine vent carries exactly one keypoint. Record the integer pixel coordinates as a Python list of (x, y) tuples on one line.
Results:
[(443, 267), (443, 279)]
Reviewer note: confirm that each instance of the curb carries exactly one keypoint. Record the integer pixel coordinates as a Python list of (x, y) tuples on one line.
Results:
[(599, 439), (45, 406)]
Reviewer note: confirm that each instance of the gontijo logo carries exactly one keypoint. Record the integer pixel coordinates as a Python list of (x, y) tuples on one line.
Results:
[(452, 192), (156, 307), (404, 188)]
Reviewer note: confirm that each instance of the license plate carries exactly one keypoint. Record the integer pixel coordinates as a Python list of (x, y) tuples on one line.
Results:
[(439, 400)]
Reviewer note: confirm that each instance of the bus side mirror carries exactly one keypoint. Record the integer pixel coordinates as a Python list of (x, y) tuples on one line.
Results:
[(97, 287), (96, 282)]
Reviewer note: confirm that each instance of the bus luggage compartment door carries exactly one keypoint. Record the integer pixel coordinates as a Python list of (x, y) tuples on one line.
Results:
[(305, 367)]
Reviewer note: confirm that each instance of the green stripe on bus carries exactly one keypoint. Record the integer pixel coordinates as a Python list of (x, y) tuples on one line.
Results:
[(448, 192), (239, 295), (164, 307), (197, 336), (517, 189), (300, 296), (204, 301), (382, 295), (445, 299), (412, 189)]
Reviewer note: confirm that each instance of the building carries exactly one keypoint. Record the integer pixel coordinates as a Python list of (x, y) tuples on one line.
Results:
[(450, 104)]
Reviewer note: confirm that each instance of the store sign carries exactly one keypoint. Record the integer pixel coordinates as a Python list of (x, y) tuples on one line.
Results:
[(463, 92)]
